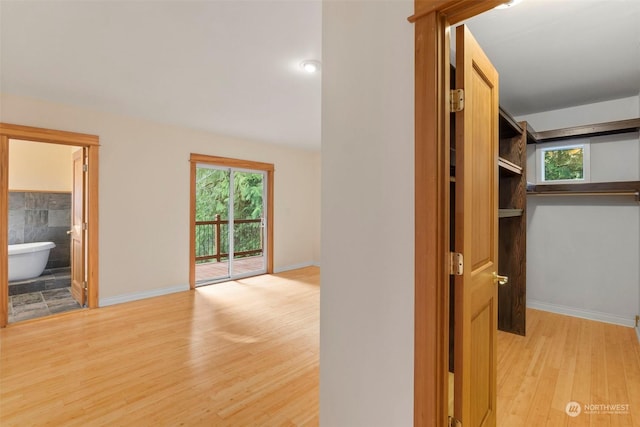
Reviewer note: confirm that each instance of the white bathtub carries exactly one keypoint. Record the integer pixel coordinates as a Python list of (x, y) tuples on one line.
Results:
[(28, 260)]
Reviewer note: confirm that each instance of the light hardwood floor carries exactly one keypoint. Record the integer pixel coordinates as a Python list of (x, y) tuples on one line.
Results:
[(246, 353), (240, 353), (564, 359)]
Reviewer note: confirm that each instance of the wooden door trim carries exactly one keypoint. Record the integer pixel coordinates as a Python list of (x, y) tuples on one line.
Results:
[(4, 230), (432, 77), (28, 133), (454, 10), (228, 162), (431, 222), (92, 226)]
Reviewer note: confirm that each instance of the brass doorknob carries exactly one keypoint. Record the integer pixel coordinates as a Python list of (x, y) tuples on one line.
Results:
[(502, 280)]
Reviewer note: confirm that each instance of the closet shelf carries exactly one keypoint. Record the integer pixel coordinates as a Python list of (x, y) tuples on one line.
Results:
[(506, 165), (509, 213), (606, 128), (508, 125), (512, 225), (510, 128), (618, 188)]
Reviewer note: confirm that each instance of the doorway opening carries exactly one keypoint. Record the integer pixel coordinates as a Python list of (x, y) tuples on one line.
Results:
[(231, 219), (48, 222), (46, 195)]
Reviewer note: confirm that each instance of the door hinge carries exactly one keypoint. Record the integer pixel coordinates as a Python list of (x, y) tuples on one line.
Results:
[(454, 422), (85, 168), (457, 100), (84, 286), (84, 225), (456, 264)]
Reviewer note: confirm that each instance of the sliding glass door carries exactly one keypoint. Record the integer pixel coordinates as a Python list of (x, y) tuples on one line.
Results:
[(248, 254), (230, 215)]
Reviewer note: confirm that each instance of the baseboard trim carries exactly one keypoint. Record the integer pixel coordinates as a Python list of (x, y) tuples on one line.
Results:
[(295, 267), (584, 314), (119, 299)]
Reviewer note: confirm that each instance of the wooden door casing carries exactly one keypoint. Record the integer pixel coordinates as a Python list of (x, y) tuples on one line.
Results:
[(431, 19), (268, 168), (91, 145), (476, 231), (4, 230)]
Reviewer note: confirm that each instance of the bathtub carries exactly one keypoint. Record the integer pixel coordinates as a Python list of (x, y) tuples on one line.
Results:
[(28, 260)]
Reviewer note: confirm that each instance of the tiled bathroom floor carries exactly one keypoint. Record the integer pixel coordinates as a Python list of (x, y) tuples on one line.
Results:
[(52, 278), (39, 304)]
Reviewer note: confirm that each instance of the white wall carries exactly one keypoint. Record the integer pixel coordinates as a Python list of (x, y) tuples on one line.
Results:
[(40, 167), (366, 309), (583, 251), (144, 194), (317, 174)]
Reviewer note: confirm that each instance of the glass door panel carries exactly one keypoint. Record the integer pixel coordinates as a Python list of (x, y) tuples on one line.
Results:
[(230, 223), (212, 223), (249, 257)]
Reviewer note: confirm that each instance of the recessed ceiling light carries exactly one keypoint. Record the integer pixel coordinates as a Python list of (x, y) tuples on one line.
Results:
[(310, 66), (508, 4)]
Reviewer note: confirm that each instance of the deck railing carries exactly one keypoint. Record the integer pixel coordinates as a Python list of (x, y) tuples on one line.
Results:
[(210, 238)]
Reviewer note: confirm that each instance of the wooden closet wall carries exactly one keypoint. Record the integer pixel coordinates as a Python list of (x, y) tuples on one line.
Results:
[(512, 227)]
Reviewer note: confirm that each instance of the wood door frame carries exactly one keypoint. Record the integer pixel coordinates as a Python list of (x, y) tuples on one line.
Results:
[(227, 162), (92, 144), (432, 19)]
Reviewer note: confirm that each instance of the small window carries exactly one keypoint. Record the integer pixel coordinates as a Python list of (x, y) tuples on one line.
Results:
[(562, 163)]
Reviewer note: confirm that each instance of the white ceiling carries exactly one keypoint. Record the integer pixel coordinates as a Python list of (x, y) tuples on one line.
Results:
[(231, 67), (559, 53)]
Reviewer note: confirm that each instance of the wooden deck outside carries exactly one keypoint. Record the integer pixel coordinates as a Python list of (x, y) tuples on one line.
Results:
[(215, 270)]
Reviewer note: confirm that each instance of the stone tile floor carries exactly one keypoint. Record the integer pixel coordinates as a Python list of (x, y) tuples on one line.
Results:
[(52, 278), (38, 304)]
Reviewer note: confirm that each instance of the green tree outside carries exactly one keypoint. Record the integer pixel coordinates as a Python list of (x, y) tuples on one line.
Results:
[(212, 198), (566, 163)]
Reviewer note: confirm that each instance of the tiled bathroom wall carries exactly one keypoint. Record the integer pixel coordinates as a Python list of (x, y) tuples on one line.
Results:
[(42, 217)]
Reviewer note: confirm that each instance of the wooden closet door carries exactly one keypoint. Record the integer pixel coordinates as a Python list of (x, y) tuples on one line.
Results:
[(476, 231)]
